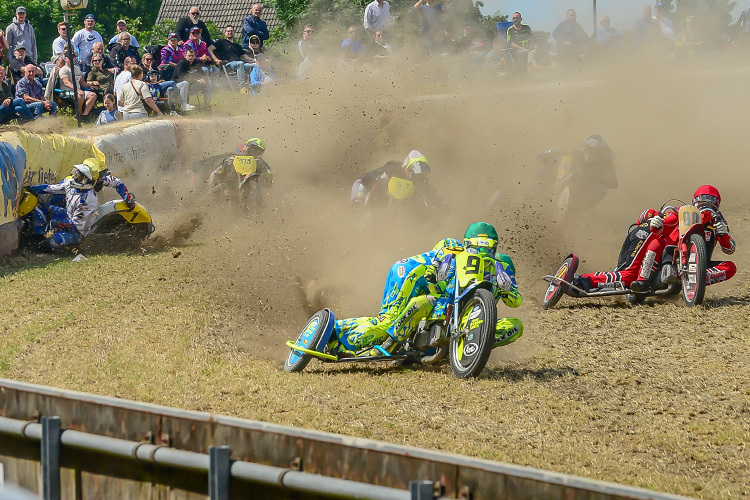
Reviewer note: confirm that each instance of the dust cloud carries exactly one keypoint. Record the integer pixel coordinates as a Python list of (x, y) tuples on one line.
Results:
[(670, 128)]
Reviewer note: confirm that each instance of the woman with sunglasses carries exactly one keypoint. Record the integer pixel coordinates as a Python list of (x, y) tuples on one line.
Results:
[(100, 79)]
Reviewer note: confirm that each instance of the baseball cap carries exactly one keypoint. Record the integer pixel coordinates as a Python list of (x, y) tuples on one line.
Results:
[(121, 21), (152, 72), (255, 37), (194, 29), (20, 8), (89, 16), (20, 46), (171, 36)]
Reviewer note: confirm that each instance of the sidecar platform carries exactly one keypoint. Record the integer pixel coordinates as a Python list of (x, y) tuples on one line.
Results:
[(617, 289)]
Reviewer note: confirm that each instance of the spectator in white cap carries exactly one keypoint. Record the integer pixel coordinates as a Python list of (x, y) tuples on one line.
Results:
[(85, 39), (122, 26), (21, 32)]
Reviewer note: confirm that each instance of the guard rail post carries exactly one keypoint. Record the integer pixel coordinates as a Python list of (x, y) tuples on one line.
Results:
[(51, 457), (422, 490), (218, 472)]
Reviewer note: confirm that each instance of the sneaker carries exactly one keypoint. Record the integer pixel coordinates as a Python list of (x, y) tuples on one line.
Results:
[(173, 113), (188, 107)]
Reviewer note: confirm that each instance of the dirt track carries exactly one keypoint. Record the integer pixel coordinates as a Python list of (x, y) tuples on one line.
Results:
[(654, 396), (668, 134)]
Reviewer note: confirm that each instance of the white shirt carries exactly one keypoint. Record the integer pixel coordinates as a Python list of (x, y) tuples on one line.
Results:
[(377, 17), (83, 42), (58, 46), (123, 78)]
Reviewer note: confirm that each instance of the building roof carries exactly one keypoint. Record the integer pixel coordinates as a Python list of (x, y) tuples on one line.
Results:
[(221, 12)]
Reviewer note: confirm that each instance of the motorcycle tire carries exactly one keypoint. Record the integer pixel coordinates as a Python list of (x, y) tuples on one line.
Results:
[(309, 338), (250, 197), (694, 279), (554, 291), (562, 199), (469, 352)]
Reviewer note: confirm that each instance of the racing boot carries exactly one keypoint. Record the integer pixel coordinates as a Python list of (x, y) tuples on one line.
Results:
[(386, 348), (579, 281), (645, 275)]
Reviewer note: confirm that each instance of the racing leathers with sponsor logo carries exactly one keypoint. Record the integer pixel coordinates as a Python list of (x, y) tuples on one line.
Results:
[(407, 294), (412, 293), (642, 251), (507, 330)]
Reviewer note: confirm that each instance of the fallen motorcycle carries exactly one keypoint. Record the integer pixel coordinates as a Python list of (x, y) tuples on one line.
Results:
[(465, 335), (682, 267), (116, 226)]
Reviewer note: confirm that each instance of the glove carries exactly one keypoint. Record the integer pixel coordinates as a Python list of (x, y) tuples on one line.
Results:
[(504, 282), (430, 274), (130, 201), (721, 228), (657, 222)]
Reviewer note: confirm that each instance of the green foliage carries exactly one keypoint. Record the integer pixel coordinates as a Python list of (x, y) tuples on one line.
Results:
[(43, 16), (158, 35)]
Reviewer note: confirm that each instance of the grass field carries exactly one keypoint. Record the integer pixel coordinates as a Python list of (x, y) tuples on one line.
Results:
[(656, 396)]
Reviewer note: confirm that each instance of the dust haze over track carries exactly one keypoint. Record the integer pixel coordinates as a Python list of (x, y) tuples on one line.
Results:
[(670, 132)]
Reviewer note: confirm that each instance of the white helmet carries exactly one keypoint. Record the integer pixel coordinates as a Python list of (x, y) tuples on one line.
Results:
[(85, 175)]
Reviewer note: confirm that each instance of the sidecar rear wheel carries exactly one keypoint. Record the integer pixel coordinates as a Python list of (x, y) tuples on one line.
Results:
[(309, 338), (555, 290), (469, 352)]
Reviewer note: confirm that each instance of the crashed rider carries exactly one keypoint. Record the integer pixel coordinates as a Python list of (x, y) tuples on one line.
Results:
[(643, 248), (225, 180), (73, 222), (412, 291), (372, 187)]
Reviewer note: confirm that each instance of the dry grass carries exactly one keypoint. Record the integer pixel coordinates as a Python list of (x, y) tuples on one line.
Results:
[(653, 396)]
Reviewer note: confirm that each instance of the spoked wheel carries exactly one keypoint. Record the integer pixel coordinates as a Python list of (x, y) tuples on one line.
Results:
[(556, 288), (469, 352), (694, 278), (317, 329)]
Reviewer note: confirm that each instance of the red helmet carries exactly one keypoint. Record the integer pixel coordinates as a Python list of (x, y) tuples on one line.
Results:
[(707, 194)]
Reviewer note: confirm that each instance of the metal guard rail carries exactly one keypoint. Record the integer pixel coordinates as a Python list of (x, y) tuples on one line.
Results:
[(216, 464)]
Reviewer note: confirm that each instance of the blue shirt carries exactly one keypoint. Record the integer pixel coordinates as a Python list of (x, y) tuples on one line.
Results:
[(355, 46), (252, 26)]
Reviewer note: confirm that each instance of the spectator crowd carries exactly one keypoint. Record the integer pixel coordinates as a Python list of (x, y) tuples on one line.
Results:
[(120, 79)]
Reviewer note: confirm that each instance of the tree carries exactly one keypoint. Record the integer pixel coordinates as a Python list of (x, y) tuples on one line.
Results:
[(714, 16), (45, 14)]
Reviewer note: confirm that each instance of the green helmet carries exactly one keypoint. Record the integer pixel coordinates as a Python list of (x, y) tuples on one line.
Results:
[(482, 236)]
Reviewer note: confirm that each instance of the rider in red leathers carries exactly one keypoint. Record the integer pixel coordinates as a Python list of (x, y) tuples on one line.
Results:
[(642, 250)]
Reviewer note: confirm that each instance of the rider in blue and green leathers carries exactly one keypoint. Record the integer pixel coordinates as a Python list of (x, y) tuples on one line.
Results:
[(412, 291), (404, 283)]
